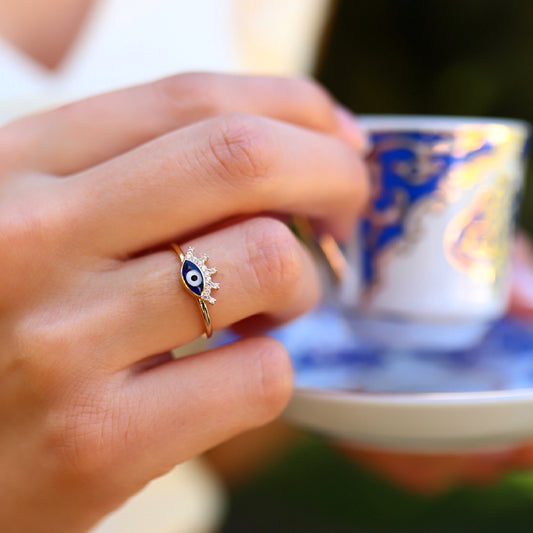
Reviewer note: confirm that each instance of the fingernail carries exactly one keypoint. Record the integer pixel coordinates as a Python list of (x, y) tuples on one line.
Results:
[(351, 130)]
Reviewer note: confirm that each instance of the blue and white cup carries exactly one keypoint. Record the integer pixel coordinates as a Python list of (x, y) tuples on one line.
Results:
[(430, 263)]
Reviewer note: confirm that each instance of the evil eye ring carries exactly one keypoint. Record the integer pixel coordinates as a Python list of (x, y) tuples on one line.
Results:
[(196, 278)]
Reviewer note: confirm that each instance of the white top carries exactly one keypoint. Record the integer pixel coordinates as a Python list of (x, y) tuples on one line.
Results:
[(125, 42)]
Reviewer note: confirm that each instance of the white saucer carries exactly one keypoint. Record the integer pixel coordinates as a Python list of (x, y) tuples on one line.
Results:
[(411, 400)]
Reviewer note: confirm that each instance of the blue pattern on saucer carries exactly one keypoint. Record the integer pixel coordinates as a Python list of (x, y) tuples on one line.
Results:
[(327, 354)]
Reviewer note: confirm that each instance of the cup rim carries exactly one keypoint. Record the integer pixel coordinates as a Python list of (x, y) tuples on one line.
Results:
[(431, 123)]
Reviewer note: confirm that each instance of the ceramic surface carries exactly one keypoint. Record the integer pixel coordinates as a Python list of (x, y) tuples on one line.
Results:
[(411, 399), (433, 246)]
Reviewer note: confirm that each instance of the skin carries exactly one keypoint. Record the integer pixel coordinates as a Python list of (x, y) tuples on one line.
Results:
[(91, 195), (43, 29), (87, 299)]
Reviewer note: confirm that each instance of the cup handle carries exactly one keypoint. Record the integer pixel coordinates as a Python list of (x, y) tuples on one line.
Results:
[(326, 247)]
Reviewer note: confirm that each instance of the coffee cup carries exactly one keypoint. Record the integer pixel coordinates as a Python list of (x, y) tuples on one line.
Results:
[(429, 265)]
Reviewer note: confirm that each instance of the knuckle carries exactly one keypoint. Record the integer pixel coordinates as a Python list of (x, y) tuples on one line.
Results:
[(192, 93), (271, 379), (33, 221), (33, 236), (242, 148), (274, 258), (40, 341)]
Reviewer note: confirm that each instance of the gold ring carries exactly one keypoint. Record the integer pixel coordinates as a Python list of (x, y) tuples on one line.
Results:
[(196, 278)]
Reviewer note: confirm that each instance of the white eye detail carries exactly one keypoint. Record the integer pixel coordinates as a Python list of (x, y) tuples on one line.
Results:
[(194, 279)]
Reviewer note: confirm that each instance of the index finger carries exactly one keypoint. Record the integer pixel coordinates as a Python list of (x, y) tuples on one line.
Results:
[(82, 134)]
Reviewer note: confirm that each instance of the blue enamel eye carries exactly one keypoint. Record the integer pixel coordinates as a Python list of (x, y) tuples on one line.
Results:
[(192, 277)]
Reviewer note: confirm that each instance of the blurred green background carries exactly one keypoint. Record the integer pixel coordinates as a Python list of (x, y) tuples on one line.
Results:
[(314, 489), (469, 57)]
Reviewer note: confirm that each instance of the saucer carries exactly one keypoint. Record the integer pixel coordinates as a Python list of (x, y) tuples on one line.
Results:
[(411, 399)]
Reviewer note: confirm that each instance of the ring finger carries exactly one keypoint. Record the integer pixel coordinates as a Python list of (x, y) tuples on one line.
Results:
[(261, 269)]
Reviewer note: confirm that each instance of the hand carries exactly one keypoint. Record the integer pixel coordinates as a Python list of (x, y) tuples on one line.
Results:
[(437, 472), (91, 195)]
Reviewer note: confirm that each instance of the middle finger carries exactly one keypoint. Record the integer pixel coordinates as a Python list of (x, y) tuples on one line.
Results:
[(211, 171)]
